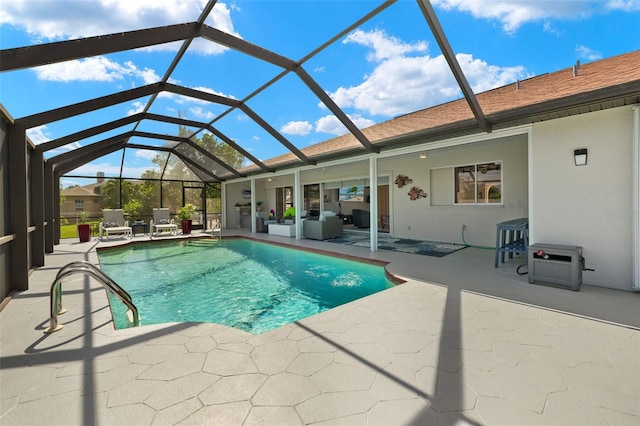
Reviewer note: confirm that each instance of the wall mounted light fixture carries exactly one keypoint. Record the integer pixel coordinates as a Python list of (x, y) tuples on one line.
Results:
[(423, 154), (580, 157)]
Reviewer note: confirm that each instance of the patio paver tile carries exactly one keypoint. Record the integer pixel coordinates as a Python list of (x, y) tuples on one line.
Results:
[(180, 390), (232, 388), (334, 405), (281, 416), (285, 389)]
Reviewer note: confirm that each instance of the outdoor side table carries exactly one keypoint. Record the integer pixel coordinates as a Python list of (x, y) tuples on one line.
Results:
[(143, 225), (512, 237)]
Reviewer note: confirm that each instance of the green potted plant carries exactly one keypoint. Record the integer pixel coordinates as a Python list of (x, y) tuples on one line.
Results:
[(184, 214), (84, 229), (133, 209)]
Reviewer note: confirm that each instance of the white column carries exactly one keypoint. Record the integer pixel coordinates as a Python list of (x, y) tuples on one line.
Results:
[(252, 213), (373, 202), (223, 205), (297, 202), (635, 196)]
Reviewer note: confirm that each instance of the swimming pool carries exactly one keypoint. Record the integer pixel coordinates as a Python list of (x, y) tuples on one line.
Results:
[(250, 285)]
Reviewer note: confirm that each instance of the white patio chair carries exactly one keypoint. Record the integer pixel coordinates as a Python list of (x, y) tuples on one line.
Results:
[(162, 222), (113, 223)]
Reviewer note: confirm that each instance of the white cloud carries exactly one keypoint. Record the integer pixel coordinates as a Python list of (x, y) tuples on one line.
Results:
[(182, 99), (201, 114), (331, 124), (625, 5), (70, 19), (400, 83), (109, 169), (384, 46), (38, 134), (586, 53), (514, 13), (147, 154), (297, 128), (97, 68), (136, 107)]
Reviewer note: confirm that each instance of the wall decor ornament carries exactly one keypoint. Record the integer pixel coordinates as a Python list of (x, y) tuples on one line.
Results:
[(416, 193), (402, 180)]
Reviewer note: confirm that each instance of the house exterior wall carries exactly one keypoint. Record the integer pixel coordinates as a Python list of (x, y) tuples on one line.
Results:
[(437, 217), (92, 205), (588, 206)]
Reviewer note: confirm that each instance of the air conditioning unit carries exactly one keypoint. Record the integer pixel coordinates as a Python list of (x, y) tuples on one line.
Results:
[(556, 264)]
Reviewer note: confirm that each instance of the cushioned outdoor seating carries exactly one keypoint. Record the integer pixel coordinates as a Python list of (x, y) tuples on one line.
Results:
[(162, 222), (330, 227), (361, 218), (113, 223)]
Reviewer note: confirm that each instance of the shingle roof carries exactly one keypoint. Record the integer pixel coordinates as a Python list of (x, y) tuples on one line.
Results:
[(501, 105), (83, 191)]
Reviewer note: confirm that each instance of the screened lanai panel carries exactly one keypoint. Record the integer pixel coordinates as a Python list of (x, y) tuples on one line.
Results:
[(95, 126), (211, 72), (176, 169), (143, 163), (308, 120), (109, 165), (201, 158)]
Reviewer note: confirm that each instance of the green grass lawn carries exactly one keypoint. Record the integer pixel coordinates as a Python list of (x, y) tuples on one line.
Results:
[(71, 230)]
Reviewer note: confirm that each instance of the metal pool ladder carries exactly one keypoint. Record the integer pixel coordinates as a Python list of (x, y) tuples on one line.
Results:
[(85, 267)]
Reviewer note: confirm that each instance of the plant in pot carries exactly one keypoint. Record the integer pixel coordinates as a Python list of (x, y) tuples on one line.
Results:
[(184, 214), (84, 229), (258, 206), (133, 208)]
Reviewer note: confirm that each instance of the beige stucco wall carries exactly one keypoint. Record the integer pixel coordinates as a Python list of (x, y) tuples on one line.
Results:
[(588, 206), (422, 219)]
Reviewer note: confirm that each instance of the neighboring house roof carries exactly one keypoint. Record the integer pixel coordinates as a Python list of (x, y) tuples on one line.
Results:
[(607, 83), (83, 191)]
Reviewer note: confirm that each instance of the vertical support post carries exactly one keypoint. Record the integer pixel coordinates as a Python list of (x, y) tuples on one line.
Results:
[(297, 203), (635, 212), (56, 208), (37, 207), (253, 213), (223, 204), (373, 202), (18, 210), (49, 201)]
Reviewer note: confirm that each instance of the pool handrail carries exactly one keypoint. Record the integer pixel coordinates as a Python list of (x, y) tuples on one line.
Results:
[(82, 266)]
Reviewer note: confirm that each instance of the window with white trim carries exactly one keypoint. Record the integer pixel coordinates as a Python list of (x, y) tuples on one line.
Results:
[(79, 205), (478, 183)]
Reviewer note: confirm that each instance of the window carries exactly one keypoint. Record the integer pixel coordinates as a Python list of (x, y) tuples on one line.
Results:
[(478, 183), (312, 198), (79, 205)]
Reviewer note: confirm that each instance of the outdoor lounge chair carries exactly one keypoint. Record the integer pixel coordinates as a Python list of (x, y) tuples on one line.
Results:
[(162, 222), (113, 223)]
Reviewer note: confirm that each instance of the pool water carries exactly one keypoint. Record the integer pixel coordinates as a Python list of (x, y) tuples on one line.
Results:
[(240, 283)]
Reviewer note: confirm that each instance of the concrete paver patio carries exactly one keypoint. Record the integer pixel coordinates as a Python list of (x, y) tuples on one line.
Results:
[(419, 353)]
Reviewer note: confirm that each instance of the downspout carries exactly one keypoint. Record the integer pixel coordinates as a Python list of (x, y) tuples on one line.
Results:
[(635, 196)]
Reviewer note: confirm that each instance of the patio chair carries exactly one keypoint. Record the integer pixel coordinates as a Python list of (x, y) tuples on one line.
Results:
[(113, 223), (162, 222)]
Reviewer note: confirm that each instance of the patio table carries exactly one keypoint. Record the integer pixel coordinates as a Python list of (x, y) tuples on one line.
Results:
[(512, 237)]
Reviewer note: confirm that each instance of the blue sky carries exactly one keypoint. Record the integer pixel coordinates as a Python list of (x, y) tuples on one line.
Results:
[(391, 65)]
